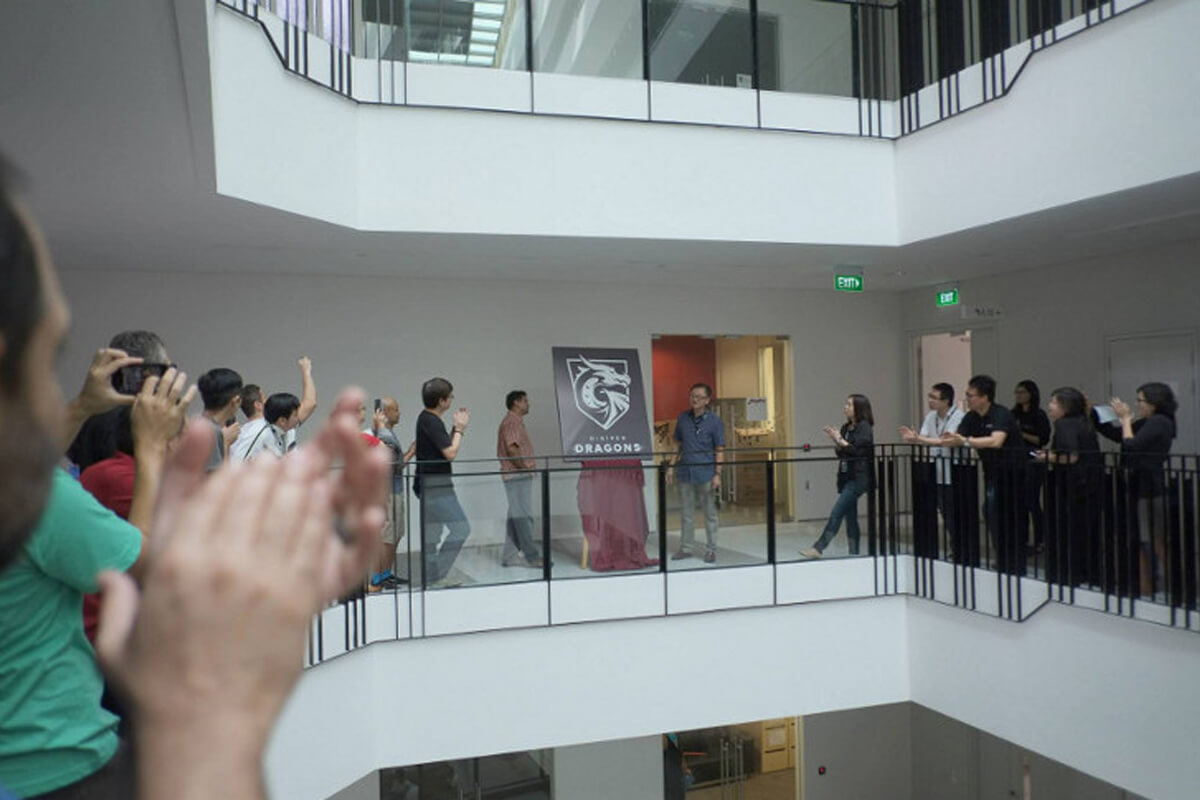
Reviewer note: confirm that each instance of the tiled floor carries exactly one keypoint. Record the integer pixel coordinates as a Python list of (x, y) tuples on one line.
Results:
[(742, 545)]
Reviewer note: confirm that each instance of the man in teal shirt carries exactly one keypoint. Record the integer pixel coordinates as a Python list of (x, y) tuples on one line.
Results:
[(55, 731)]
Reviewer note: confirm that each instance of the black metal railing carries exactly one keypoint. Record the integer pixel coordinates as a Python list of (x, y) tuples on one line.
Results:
[(1002, 536), (916, 53)]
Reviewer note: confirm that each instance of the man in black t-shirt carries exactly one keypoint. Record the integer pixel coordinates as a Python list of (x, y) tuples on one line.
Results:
[(434, 485), (992, 431)]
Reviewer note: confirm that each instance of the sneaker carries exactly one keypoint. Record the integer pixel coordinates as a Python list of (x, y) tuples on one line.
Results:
[(535, 562), (446, 583), (679, 555), (379, 577), (391, 583), (710, 557), (811, 552)]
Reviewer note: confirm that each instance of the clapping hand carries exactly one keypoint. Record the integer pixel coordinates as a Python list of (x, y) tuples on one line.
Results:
[(237, 565)]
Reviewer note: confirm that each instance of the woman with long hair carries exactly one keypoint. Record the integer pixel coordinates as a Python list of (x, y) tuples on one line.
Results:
[(855, 445), (1073, 553), (1145, 444), (1035, 430)]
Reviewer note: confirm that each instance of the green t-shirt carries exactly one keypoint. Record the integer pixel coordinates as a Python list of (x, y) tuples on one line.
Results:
[(53, 731)]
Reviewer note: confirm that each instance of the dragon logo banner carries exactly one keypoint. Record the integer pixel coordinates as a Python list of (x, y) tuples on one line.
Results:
[(601, 402)]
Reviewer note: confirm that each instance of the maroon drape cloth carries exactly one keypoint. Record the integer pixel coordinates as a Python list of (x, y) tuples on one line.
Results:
[(614, 514)]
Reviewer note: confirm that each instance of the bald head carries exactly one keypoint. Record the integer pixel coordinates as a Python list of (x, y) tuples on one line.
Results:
[(391, 410)]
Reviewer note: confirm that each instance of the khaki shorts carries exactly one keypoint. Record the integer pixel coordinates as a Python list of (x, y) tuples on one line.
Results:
[(393, 526)]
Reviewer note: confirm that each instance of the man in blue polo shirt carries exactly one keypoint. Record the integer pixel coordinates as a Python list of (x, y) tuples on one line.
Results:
[(701, 438)]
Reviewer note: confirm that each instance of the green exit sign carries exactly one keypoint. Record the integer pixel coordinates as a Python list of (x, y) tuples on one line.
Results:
[(848, 283), (947, 298)]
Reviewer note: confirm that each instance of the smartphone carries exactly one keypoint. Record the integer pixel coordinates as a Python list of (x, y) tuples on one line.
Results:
[(129, 380), (378, 403)]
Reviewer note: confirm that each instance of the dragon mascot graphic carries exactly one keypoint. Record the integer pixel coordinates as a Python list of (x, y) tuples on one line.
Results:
[(601, 388)]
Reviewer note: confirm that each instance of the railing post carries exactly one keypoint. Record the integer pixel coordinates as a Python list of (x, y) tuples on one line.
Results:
[(770, 466), (661, 480), (546, 523)]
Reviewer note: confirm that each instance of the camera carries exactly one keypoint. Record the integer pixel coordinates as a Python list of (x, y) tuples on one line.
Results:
[(129, 380)]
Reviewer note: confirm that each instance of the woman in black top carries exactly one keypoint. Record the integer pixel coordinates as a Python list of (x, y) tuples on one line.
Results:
[(1035, 431), (855, 444), (1073, 555), (1145, 443)]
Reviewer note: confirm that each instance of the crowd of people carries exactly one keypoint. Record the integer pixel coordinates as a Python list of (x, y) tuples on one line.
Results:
[(1042, 474), (186, 557)]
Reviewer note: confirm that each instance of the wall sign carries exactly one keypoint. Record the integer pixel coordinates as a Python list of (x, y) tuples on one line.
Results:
[(601, 402), (848, 283)]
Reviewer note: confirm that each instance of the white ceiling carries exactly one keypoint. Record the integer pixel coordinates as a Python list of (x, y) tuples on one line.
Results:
[(97, 107)]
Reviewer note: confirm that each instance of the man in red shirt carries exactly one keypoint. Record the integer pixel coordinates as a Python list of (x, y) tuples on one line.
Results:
[(515, 451)]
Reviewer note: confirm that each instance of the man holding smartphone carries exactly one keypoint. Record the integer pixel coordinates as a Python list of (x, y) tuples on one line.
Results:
[(147, 355), (383, 428)]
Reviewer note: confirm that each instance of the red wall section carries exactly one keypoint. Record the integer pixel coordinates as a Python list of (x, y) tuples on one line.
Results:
[(677, 363)]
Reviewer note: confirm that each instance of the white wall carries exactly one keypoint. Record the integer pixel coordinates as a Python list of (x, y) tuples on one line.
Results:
[(1057, 320), (866, 752), (1069, 684), (626, 768), (460, 696), (390, 334), (953, 761), (365, 788), (1107, 110)]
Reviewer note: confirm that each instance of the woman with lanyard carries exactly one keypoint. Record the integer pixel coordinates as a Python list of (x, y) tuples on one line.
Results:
[(855, 445)]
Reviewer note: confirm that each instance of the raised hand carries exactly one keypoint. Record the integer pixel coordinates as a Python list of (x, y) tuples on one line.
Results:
[(159, 409), (98, 394)]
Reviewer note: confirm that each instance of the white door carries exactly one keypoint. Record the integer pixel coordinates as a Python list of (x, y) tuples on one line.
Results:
[(1166, 358)]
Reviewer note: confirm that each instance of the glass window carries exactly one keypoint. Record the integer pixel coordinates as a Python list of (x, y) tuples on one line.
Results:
[(601, 38), (707, 43), (478, 33), (808, 46)]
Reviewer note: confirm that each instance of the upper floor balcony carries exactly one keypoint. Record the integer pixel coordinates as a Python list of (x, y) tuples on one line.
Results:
[(878, 68), (689, 121)]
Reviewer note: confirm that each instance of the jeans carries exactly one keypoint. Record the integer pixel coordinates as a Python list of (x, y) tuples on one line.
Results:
[(440, 507), (687, 514), (519, 527), (845, 507)]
